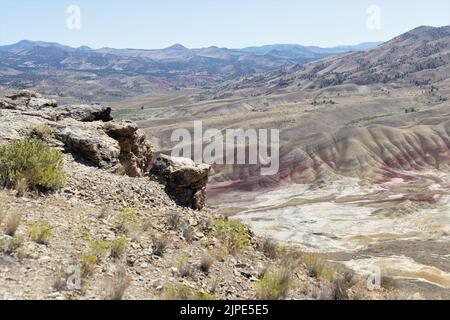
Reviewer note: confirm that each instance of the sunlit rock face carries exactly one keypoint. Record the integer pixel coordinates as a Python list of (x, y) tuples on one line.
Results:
[(87, 131), (185, 180)]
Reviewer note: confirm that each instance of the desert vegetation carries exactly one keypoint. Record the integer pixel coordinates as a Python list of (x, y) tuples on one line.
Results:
[(33, 163)]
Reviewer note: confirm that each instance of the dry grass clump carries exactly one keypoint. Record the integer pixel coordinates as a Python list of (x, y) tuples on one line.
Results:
[(11, 245), (174, 220), (99, 248), (269, 248), (341, 284), (2, 213), (206, 263), (187, 232), (184, 267), (274, 285), (159, 245), (126, 221), (41, 132), (317, 268), (40, 232), (12, 224), (119, 284)]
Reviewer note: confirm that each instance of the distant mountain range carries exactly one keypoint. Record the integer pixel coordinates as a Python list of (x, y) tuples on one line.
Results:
[(420, 57), (109, 74)]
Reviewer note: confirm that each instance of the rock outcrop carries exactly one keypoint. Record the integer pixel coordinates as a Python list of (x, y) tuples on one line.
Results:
[(185, 180), (89, 134), (135, 150), (87, 131), (84, 112), (89, 142), (26, 99)]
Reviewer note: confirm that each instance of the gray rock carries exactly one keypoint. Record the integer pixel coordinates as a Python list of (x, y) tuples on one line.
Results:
[(85, 112), (87, 131), (136, 152), (90, 143), (185, 181)]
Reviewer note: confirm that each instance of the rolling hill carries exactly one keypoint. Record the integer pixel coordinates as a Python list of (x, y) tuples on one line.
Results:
[(109, 74)]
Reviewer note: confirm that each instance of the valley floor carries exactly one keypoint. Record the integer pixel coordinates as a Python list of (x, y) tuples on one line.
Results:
[(401, 227)]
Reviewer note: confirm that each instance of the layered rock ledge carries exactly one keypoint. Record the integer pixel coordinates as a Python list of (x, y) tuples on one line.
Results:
[(91, 135)]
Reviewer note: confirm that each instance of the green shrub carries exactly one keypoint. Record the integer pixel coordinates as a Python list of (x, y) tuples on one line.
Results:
[(233, 235), (32, 161), (274, 285), (98, 248), (40, 232), (88, 263), (118, 247)]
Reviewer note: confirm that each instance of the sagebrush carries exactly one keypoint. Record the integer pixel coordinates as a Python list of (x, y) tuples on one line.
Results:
[(32, 161)]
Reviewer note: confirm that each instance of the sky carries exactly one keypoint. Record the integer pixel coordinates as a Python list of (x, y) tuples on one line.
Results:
[(151, 24)]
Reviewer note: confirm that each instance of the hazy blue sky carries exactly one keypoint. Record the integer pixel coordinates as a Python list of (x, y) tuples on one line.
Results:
[(229, 23)]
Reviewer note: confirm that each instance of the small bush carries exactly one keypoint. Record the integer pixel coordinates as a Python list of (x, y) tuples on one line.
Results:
[(174, 220), (40, 232), (233, 235), (126, 221), (12, 224), (88, 263), (41, 132), (274, 285), (340, 286), (159, 245), (119, 284), (34, 161), (269, 248), (118, 247), (183, 292), (317, 268), (184, 267), (11, 245), (262, 271), (206, 263), (99, 248)]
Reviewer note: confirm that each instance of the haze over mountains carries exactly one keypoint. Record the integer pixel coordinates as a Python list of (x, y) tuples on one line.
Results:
[(111, 74)]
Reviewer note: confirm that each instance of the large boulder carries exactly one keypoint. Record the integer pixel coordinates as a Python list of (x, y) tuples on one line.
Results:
[(185, 180)]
